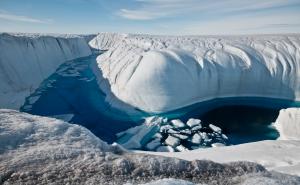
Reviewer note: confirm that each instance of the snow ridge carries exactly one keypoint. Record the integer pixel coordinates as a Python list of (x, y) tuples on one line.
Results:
[(27, 59), (163, 73), (105, 41)]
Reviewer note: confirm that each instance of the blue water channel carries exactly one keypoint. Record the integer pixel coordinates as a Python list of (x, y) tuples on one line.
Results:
[(73, 90)]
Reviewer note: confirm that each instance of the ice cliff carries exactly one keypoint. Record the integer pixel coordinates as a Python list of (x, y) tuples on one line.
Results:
[(162, 73), (27, 59), (288, 124)]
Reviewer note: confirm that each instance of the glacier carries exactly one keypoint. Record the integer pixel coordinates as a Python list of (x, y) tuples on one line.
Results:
[(157, 74), (27, 59)]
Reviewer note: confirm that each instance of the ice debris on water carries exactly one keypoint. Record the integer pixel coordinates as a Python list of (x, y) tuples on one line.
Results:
[(163, 135)]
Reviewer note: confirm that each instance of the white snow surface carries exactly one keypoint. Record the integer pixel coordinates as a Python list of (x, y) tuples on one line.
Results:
[(278, 155), (43, 135), (105, 41), (288, 124), (162, 73), (27, 59)]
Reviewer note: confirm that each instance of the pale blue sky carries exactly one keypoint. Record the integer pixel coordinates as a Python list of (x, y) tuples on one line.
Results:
[(200, 17)]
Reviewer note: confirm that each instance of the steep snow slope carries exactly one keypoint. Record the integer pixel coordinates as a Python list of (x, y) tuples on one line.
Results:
[(159, 74), (27, 59), (40, 150)]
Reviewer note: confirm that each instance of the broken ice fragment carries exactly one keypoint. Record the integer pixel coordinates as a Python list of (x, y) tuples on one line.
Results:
[(165, 128), (193, 122), (177, 123), (180, 136), (215, 128), (186, 131), (172, 141), (172, 131), (195, 128), (224, 136), (196, 139), (181, 148)]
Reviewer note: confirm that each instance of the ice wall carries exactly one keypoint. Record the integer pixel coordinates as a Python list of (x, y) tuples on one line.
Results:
[(26, 60), (288, 124), (163, 73)]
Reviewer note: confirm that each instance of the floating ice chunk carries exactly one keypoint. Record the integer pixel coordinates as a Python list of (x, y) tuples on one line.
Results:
[(181, 148), (165, 149), (153, 144), (215, 128), (224, 136), (172, 141), (165, 128), (195, 128), (193, 122), (177, 123), (217, 145), (186, 131), (172, 131), (196, 139), (180, 136), (143, 135), (204, 135)]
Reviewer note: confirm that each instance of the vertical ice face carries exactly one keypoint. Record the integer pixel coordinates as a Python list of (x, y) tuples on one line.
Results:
[(288, 124), (163, 73), (26, 60)]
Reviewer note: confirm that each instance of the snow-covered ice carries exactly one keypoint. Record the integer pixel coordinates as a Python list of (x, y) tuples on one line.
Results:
[(172, 141), (27, 59), (163, 73), (194, 122), (288, 124), (177, 123), (40, 150), (196, 139), (154, 74), (215, 128)]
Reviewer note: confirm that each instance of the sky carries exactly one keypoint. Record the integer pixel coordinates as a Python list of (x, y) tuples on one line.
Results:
[(174, 17)]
